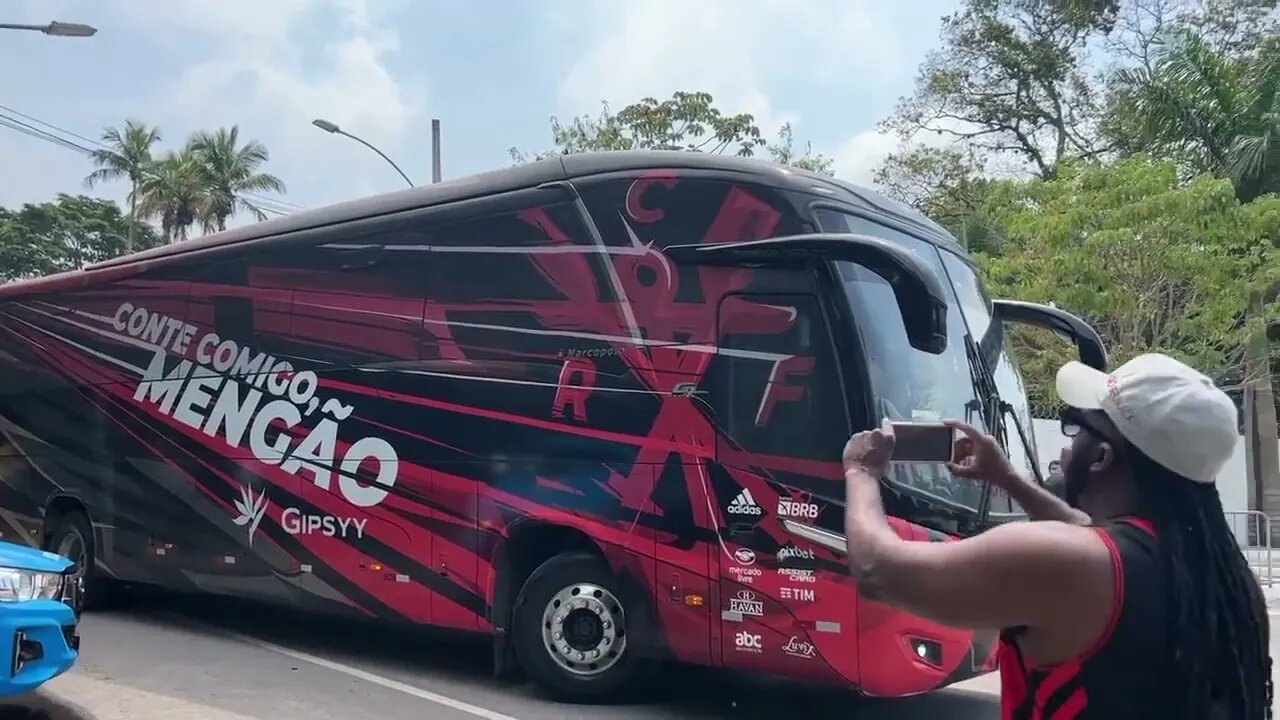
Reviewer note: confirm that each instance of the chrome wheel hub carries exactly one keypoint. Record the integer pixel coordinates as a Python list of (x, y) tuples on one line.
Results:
[(73, 548), (584, 629)]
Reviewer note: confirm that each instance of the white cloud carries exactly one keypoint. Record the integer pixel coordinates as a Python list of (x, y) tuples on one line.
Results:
[(267, 71), (857, 158), (729, 48)]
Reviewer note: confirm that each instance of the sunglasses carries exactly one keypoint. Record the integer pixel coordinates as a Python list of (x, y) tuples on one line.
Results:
[(1073, 423)]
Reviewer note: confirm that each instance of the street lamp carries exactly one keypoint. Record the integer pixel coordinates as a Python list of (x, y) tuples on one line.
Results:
[(57, 29), (330, 127)]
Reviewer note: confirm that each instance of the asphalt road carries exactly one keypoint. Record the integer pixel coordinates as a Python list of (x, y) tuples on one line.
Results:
[(183, 659), (209, 659)]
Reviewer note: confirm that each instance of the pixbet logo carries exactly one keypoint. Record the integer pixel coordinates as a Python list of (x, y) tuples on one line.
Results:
[(791, 552), (748, 642)]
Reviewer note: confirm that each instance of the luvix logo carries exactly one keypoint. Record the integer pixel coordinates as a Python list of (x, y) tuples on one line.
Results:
[(251, 510)]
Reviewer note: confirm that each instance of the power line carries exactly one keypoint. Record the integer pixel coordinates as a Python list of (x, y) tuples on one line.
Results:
[(35, 132), (276, 206), (64, 131)]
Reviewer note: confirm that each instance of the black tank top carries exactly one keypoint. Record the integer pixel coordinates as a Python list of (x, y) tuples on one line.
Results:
[(1119, 677)]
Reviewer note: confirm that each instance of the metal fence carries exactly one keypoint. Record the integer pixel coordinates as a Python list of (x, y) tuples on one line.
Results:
[(1253, 532)]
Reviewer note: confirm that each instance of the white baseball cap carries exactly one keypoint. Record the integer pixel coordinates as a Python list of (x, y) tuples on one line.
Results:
[(1168, 410)]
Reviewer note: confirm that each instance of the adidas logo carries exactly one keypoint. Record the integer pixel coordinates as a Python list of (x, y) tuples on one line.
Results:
[(744, 504)]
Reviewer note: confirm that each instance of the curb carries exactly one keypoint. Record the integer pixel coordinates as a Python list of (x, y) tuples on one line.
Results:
[(42, 705), (66, 697)]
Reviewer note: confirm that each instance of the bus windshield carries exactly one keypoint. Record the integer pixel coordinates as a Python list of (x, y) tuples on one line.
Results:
[(914, 385)]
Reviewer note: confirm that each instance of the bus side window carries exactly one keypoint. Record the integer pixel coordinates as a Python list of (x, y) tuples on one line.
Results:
[(773, 382)]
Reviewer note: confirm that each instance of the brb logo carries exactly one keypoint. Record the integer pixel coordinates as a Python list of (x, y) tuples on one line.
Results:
[(747, 642)]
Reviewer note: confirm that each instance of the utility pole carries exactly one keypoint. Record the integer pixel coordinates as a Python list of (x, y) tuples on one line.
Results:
[(435, 150)]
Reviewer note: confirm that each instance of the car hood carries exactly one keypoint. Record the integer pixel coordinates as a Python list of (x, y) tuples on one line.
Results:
[(26, 558)]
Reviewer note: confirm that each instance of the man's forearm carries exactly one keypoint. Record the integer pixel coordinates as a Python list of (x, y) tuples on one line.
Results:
[(1041, 504), (868, 531)]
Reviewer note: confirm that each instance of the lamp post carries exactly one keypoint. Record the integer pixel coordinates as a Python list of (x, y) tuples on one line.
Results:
[(330, 127), (56, 29)]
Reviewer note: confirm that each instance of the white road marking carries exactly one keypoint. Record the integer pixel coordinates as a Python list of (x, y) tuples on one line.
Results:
[(385, 682)]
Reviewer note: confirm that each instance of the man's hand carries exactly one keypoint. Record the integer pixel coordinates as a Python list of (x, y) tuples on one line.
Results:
[(979, 457), (870, 451)]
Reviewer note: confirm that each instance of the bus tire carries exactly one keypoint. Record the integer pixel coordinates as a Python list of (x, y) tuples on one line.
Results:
[(71, 533), (574, 631)]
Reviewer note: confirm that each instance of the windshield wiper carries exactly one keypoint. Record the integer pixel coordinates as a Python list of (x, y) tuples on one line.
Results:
[(988, 404)]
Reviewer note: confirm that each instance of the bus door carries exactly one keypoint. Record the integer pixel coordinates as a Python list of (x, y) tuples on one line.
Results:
[(782, 424)]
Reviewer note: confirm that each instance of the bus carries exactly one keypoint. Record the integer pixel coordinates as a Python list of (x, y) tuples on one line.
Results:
[(578, 406)]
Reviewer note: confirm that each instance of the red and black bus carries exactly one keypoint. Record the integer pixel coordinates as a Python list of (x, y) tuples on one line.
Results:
[(568, 405)]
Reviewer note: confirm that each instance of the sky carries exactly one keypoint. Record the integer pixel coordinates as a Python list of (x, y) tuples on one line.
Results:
[(492, 71)]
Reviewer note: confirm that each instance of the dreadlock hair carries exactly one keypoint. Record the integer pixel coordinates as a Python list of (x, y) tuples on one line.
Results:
[(1219, 629)]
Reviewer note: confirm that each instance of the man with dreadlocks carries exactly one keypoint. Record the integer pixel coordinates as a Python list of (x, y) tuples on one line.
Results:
[(1129, 598)]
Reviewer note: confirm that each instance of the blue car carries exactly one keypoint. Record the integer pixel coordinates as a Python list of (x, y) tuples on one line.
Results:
[(39, 616)]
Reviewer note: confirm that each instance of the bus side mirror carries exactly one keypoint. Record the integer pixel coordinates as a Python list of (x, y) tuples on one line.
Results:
[(1062, 323), (920, 295)]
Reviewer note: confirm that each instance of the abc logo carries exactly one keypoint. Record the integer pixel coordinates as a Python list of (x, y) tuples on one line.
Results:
[(747, 640)]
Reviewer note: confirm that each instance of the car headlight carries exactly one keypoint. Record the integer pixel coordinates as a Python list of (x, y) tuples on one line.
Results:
[(18, 585)]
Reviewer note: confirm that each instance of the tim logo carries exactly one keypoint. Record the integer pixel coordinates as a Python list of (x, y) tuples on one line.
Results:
[(251, 510)]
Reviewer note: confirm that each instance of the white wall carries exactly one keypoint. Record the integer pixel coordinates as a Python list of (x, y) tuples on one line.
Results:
[(1232, 483)]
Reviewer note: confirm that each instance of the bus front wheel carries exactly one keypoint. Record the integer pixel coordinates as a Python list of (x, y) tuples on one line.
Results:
[(574, 630), (71, 536)]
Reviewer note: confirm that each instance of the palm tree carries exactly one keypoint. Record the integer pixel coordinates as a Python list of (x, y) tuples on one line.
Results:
[(231, 170), (1214, 112), (127, 155), (175, 190)]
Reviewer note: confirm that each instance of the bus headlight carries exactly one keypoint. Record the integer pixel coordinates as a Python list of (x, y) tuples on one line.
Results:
[(17, 585)]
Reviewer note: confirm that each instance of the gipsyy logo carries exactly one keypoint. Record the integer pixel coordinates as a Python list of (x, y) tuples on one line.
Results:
[(746, 603), (747, 642), (744, 556), (796, 647), (744, 504), (789, 508), (791, 552), (251, 510)]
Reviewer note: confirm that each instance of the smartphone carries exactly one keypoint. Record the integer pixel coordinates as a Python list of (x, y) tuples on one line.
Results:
[(922, 442)]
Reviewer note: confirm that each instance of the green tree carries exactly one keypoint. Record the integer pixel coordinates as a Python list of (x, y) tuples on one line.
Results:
[(1151, 261), (783, 152), (231, 170), (175, 190), (1206, 109), (127, 155), (1009, 78), (946, 185), (689, 121), (69, 233)]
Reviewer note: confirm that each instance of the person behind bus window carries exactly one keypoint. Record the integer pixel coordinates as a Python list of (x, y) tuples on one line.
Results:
[(1130, 597), (1055, 482)]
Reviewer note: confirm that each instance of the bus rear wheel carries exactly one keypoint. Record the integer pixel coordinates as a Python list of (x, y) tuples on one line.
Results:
[(573, 631)]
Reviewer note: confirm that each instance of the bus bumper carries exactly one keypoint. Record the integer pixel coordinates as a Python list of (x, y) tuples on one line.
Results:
[(39, 640)]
